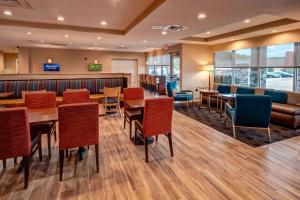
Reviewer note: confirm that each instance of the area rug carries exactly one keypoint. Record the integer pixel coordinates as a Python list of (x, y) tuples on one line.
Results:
[(252, 137)]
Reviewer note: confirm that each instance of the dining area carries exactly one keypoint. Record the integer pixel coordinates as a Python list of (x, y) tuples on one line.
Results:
[(42, 131)]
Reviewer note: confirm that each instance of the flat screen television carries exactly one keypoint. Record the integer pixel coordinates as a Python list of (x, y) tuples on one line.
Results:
[(95, 67), (51, 67)]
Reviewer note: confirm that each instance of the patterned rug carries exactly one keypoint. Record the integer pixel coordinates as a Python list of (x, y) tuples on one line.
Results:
[(252, 137)]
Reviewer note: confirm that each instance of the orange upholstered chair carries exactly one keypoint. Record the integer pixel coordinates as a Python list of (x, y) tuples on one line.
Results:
[(42, 100), (78, 126), (157, 120), (15, 139), (130, 115), (80, 96)]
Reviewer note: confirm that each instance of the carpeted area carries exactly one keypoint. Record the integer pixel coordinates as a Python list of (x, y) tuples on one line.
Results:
[(252, 137)]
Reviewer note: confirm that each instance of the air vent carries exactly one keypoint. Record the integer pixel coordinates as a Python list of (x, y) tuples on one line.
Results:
[(175, 28), (47, 43), (121, 47), (16, 3)]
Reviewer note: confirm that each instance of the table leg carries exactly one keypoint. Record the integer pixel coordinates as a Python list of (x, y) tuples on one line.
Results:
[(209, 103)]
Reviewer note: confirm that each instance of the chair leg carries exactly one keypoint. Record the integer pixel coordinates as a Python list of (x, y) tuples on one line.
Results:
[(26, 170), (97, 156), (170, 143), (61, 164), (146, 148), (130, 127), (40, 151), (67, 153), (124, 122), (4, 163), (54, 132), (156, 138), (233, 130), (224, 120), (49, 143), (15, 161), (269, 132)]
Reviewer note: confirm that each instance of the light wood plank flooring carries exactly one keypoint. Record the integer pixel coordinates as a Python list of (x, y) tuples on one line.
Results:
[(206, 165)]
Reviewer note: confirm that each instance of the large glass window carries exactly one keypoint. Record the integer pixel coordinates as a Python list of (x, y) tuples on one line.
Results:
[(272, 67)]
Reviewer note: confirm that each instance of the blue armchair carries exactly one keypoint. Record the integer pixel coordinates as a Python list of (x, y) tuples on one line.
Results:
[(183, 96), (251, 111)]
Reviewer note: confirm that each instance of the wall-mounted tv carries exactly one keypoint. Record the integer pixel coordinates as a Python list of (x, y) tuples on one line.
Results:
[(95, 67), (51, 67)]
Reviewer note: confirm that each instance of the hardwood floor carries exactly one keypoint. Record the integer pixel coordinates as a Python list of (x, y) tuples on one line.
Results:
[(206, 165)]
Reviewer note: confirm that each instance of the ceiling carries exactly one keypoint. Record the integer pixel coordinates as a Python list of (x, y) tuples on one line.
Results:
[(129, 22)]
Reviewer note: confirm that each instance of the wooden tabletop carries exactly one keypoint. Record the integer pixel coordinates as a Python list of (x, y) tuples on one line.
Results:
[(134, 104), (50, 114), (4, 95)]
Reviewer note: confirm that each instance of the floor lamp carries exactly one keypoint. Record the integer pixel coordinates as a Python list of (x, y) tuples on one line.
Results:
[(209, 69)]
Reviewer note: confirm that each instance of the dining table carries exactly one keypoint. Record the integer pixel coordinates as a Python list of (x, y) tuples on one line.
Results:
[(4, 95)]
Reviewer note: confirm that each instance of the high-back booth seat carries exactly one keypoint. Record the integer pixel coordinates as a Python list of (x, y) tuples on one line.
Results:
[(285, 105), (60, 85)]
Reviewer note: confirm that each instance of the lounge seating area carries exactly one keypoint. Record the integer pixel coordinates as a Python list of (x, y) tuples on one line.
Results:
[(152, 99)]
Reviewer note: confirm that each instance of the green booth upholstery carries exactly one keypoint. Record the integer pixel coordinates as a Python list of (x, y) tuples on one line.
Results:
[(223, 89), (251, 111), (183, 96), (242, 90), (277, 96)]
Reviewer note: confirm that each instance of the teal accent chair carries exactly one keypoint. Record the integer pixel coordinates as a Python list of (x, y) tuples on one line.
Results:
[(251, 111), (182, 96), (243, 90)]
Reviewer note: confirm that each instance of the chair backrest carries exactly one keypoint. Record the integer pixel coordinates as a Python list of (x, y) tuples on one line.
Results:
[(14, 133), (70, 97), (170, 87), (40, 100), (28, 92), (253, 110), (132, 94), (112, 92), (243, 90), (158, 115), (78, 125), (223, 89)]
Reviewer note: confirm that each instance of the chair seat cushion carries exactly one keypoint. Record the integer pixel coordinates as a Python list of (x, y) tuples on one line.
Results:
[(183, 97), (229, 111), (286, 109), (133, 113), (111, 100)]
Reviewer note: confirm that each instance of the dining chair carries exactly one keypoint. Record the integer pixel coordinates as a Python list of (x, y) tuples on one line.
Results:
[(251, 111), (132, 114), (157, 120), (78, 127), (43, 100), (15, 138), (112, 99), (71, 96), (76, 96)]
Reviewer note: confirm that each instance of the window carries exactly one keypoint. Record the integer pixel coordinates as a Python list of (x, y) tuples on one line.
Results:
[(151, 70), (272, 67)]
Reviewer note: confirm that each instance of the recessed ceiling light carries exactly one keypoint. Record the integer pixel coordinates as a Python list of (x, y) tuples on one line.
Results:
[(7, 13), (66, 35), (208, 32), (103, 23), (164, 33), (145, 41), (274, 31), (202, 16), (60, 18), (42, 41), (70, 43), (99, 38), (246, 21), (29, 33)]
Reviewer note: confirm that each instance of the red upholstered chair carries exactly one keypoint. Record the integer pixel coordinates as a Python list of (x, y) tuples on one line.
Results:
[(157, 120), (41, 100), (135, 114), (15, 139), (78, 126), (80, 96)]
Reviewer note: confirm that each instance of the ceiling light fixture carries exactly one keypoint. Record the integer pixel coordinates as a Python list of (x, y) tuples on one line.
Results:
[(7, 13), (164, 33), (202, 16), (70, 43), (42, 41), (98, 38), (145, 41), (274, 31), (246, 21), (103, 23), (208, 32), (29, 33), (66, 35), (60, 18)]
